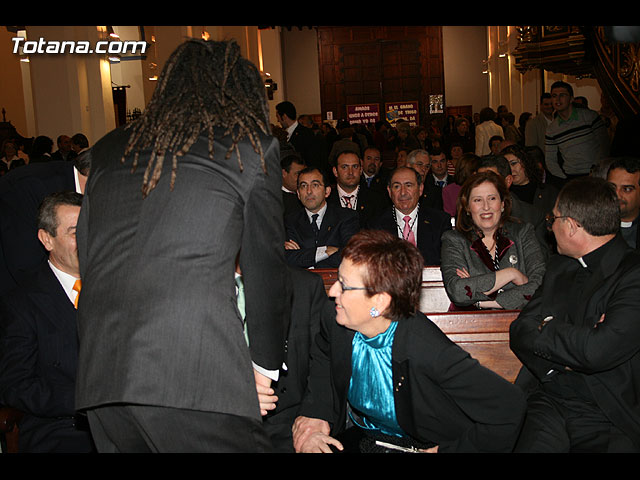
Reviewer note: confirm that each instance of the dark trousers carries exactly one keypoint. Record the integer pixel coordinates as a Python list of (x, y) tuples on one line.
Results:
[(150, 429), (569, 425)]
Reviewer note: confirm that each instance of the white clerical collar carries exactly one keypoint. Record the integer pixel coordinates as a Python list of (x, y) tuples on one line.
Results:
[(582, 262), (626, 224), (66, 280)]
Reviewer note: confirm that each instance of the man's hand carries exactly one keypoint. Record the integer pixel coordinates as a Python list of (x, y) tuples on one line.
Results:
[(331, 250), (291, 245), (311, 435), (266, 396)]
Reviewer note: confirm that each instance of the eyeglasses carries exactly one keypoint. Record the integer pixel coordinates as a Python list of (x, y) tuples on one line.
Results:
[(550, 218), (345, 288)]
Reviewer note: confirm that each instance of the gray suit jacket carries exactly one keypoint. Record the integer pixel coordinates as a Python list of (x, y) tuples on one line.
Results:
[(520, 249), (158, 318)]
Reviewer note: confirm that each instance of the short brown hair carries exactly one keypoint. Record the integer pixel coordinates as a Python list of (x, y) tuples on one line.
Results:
[(392, 265)]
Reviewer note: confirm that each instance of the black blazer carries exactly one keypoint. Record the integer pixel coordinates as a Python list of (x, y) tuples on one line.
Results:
[(38, 362), (291, 202), (21, 192), (158, 317), (442, 395), (432, 224), (308, 302), (338, 226), (432, 193), (604, 354), (369, 202)]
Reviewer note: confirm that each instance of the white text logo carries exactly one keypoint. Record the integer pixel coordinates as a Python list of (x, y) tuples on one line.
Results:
[(68, 46)]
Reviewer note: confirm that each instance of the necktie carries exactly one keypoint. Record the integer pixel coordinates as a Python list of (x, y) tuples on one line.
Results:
[(314, 224), (347, 200), (369, 179), (407, 233), (76, 287), (241, 305), (441, 183)]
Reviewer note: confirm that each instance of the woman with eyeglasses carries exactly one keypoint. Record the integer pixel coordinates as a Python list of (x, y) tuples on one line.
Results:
[(384, 378), (489, 261)]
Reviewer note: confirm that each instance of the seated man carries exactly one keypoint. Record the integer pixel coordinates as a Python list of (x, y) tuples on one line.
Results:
[(351, 188), (309, 303), (39, 342), (578, 336), (409, 218), (291, 163), (624, 175), (316, 234)]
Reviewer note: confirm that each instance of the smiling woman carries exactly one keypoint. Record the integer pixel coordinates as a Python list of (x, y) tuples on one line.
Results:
[(489, 260), (385, 378)]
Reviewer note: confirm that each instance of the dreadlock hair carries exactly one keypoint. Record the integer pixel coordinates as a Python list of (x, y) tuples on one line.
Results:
[(204, 84)]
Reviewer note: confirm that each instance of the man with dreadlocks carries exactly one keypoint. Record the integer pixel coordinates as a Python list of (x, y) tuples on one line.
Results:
[(172, 200)]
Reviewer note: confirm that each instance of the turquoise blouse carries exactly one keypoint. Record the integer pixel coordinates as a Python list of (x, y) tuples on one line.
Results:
[(371, 385)]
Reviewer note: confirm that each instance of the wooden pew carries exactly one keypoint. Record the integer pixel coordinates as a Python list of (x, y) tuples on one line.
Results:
[(433, 296), (484, 334)]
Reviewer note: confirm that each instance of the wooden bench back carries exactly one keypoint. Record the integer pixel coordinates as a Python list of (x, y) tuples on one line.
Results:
[(484, 334)]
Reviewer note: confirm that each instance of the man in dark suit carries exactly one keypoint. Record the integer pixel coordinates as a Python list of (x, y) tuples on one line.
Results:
[(64, 152), (309, 303), (38, 339), (309, 145), (435, 180), (407, 218), (578, 336), (317, 234), (21, 193), (375, 177), (164, 364), (624, 175), (351, 190), (291, 164)]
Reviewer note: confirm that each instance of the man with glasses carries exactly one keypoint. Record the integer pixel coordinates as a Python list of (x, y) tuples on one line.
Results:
[(579, 334), (316, 234)]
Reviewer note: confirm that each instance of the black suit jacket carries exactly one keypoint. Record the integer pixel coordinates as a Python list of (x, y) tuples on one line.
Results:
[(38, 362), (21, 192), (442, 395), (432, 224), (291, 202), (338, 226), (432, 193), (158, 317), (369, 202), (309, 300), (310, 146), (605, 355)]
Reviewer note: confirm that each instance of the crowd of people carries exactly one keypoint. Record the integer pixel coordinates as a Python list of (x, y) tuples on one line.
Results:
[(201, 325)]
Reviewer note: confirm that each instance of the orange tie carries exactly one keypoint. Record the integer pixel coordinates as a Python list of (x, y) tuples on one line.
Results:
[(77, 286)]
